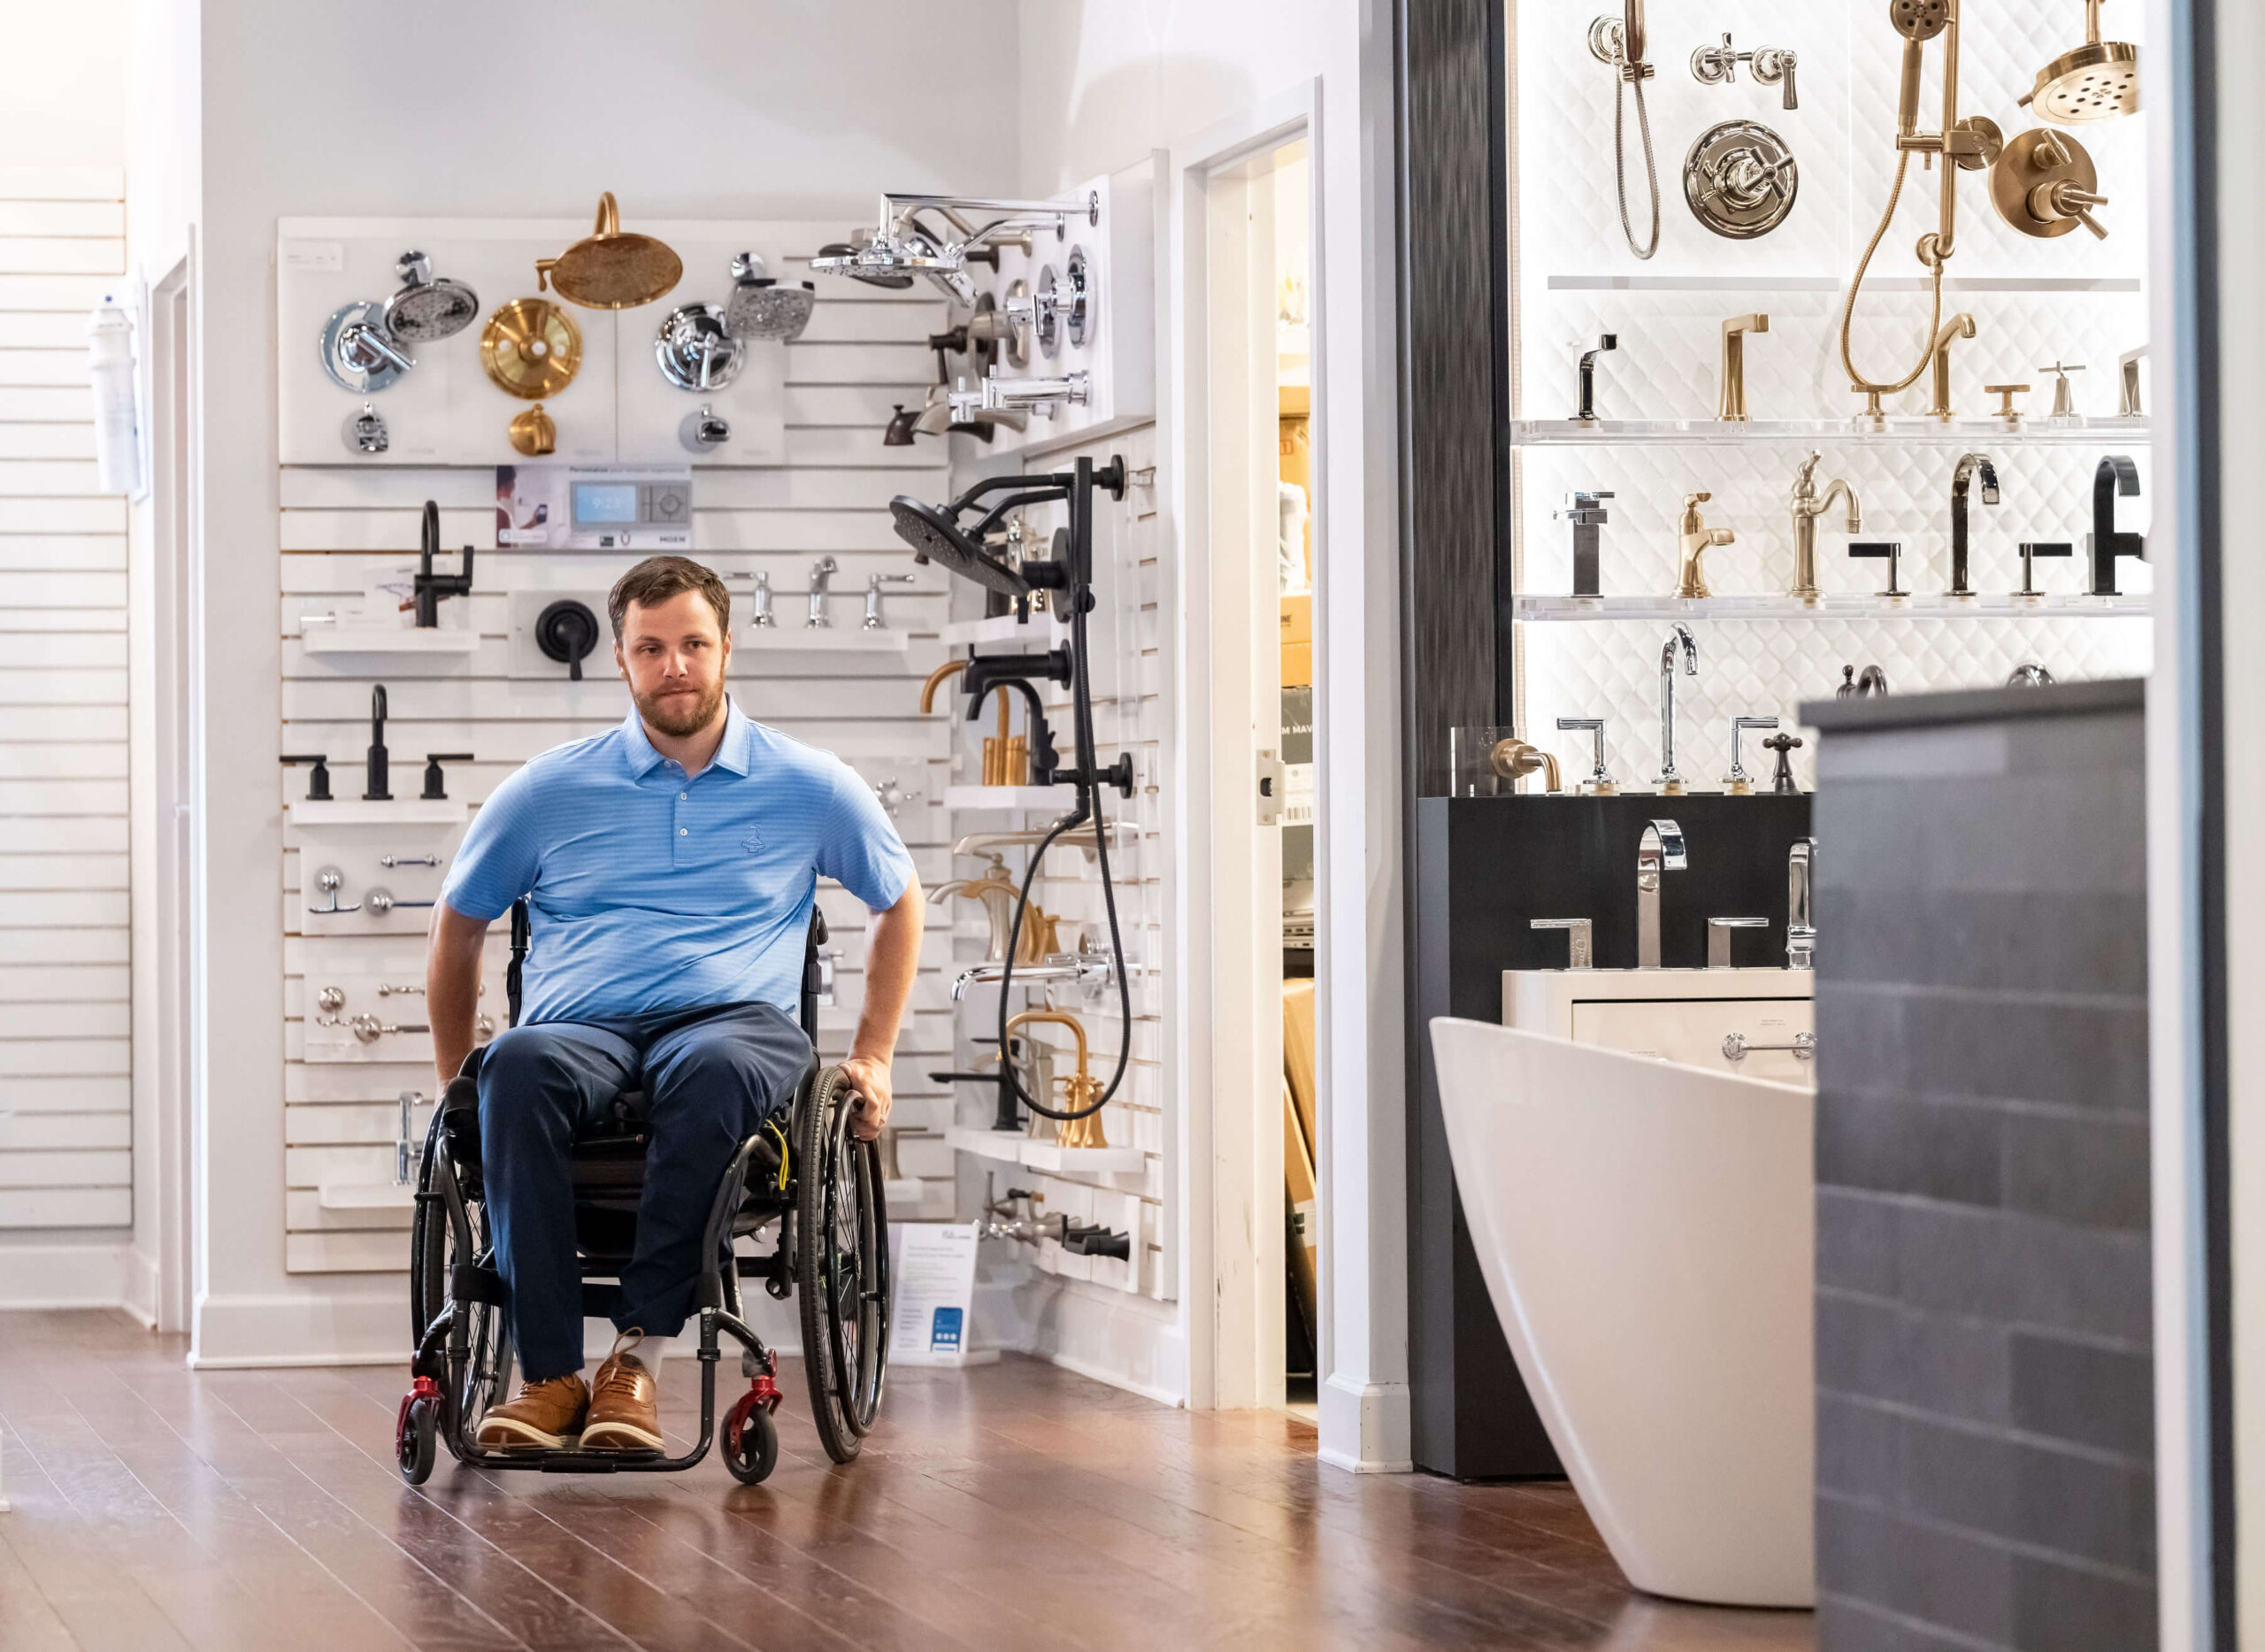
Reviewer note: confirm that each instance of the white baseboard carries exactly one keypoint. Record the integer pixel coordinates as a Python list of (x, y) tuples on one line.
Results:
[(1365, 1428), (83, 1273), (140, 1287), (1129, 1342)]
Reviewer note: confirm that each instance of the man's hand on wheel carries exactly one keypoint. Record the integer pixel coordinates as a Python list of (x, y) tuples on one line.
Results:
[(870, 1079)]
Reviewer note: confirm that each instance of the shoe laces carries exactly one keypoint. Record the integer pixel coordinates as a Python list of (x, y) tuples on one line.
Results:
[(618, 1375)]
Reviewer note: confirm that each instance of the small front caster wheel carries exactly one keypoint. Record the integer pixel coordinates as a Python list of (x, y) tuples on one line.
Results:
[(750, 1440), (415, 1437)]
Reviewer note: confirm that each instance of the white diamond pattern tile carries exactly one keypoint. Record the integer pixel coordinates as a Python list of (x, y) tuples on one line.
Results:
[(1766, 668), (1666, 367)]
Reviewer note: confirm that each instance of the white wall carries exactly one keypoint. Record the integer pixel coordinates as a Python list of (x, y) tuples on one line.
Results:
[(64, 1055), (1103, 83), (684, 109)]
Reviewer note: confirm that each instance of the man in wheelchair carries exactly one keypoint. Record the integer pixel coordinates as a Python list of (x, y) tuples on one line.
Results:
[(670, 866)]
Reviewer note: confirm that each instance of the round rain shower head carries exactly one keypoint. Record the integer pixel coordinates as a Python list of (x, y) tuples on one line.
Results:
[(2098, 82), (839, 257), (934, 537), (426, 311)]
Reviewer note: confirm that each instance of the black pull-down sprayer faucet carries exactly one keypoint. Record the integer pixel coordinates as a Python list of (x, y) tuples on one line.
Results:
[(2116, 474)]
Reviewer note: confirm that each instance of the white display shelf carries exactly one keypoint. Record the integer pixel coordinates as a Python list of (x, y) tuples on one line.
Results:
[(366, 1196), (823, 639), (1921, 606), (332, 639), (1900, 432), (1039, 631), (1829, 283), (359, 811), (1009, 797), (1012, 1147), (1058, 1160), (1004, 1146)]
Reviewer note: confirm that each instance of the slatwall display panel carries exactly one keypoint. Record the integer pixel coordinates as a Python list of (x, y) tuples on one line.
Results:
[(345, 529), (1131, 714), (2071, 299), (65, 1130)]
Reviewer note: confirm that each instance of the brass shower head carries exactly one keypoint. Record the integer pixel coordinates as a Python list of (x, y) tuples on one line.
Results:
[(2099, 81)]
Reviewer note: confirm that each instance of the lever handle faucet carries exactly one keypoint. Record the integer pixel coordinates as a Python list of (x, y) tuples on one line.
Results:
[(1807, 505), (1960, 325), (874, 620), (821, 570), (1587, 513), (1600, 782), (1693, 540)]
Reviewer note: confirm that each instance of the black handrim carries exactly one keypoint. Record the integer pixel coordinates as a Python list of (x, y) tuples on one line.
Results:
[(432, 1256), (857, 1293)]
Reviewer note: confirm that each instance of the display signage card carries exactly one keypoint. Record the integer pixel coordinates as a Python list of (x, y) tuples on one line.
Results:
[(583, 507), (934, 1269)]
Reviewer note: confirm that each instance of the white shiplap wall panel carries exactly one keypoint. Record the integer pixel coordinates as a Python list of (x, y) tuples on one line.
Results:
[(66, 1153), (340, 527)]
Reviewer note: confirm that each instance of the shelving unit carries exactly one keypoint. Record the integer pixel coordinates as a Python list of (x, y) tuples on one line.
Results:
[(1900, 432), (1006, 1147), (1919, 606), (323, 639), (1059, 797), (1039, 631), (825, 640)]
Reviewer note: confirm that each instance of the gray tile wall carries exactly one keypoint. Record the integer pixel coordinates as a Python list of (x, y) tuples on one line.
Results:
[(1984, 1409)]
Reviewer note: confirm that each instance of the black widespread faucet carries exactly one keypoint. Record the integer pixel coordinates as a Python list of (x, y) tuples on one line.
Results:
[(2116, 474), (432, 586), (377, 790)]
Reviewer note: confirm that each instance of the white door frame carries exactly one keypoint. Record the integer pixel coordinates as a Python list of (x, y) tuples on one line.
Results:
[(167, 992), (1231, 1219)]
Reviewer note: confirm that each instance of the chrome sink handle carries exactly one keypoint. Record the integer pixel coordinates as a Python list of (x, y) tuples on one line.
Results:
[(1582, 949), (1736, 1046), (1718, 938)]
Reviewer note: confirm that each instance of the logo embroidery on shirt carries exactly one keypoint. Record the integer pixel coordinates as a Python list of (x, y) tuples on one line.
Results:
[(751, 842)]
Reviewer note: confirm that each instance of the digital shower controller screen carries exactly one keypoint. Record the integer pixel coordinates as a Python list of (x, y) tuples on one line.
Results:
[(604, 502), (572, 507)]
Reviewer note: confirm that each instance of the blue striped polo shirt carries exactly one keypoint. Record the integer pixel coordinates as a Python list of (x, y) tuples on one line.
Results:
[(650, 892)]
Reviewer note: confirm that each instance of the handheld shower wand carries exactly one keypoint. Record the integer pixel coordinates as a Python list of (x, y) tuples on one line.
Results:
[(1618, 43), (1967, 145)]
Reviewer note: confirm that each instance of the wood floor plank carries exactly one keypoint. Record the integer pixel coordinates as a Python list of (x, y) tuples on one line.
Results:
[(1008, 1509)]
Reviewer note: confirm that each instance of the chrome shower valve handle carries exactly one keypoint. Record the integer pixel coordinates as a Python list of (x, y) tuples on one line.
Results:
[(1718, 66), (1774, 64)]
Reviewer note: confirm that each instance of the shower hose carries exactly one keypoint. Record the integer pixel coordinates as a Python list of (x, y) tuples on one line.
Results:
[(1620, 163), (1930, 254)]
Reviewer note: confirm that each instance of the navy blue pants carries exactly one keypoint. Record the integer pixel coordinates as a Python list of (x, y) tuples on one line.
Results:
[(710, 1077)]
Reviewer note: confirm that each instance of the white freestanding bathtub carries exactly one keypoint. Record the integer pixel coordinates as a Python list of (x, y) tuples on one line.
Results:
[(1648, 1235)]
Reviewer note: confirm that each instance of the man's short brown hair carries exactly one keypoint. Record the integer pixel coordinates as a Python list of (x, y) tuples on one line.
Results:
[(655, 580)]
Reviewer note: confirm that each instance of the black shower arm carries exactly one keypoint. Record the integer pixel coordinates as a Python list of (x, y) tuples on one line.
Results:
[(1055, 487)]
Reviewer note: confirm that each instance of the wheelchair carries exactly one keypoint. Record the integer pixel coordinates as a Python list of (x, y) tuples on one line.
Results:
[(811, 1189)]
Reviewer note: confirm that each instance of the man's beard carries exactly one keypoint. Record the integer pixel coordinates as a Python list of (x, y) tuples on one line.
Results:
[(673, 716)]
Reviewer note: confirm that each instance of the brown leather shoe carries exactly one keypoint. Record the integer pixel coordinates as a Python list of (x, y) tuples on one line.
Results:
[(547, 1414), (625, 1403)]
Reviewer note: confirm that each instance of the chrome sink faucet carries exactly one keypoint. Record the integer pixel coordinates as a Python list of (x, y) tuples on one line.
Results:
[(1960, 482), (1801, 905), (1659, 850), (1807, 505), (1670, 782), (821, 570)]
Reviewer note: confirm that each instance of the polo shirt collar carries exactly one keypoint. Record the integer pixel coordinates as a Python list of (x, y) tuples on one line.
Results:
[(737, 752)]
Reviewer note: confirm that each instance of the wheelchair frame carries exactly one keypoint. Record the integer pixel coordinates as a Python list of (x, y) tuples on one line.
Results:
[(816, 1179)]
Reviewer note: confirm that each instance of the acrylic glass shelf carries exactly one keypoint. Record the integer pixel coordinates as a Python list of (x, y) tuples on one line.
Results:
[(1040, 632), (1900, 433), (1924, 605), (328, 639), (1058, 797)]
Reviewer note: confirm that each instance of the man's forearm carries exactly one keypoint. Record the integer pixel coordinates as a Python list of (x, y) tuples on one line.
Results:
[(452, 986), (892, 960)]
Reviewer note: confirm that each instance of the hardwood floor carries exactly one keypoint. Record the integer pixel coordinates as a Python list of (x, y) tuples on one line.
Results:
[(1009, 1506)]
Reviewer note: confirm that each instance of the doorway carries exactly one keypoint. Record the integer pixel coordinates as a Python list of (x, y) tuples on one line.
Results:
[(1252, 520)]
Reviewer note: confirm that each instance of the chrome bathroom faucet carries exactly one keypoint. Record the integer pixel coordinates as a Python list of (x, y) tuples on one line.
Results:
[(1961, 481), (1670, 782), (1659, 850), (1807, 505), (1801, 905), (821, 570)]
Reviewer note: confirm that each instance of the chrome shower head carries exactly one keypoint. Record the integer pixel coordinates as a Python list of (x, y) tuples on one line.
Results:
[(760, 308), (841, 257)]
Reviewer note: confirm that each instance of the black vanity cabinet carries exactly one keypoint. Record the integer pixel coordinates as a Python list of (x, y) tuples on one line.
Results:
[(1485, 868)]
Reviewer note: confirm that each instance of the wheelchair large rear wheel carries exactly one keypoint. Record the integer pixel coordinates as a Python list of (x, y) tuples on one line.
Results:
[(432, 1256), (841, 1266)]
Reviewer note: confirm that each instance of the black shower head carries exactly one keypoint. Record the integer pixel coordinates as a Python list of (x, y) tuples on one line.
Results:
[(898, 433), (935, 538)]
